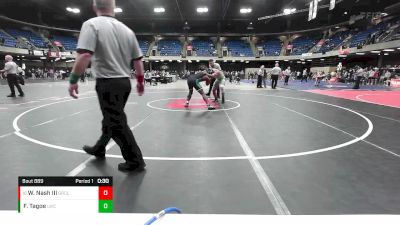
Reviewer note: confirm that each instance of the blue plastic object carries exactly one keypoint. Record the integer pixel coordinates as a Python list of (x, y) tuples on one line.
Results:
[(162, 213)]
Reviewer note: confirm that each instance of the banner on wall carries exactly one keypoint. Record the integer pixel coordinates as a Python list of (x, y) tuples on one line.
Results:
[(65, 54), (53, 54), (36, 53)]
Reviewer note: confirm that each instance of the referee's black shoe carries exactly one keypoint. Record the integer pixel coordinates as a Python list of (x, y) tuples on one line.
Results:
[(131, 167), (98, 153)]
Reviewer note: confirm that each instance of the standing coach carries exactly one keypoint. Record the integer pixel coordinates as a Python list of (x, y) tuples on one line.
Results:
[(110, 46)]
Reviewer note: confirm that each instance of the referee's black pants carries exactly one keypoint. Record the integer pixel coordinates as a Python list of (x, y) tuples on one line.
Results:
[(259, 81), (113, 95), (357, 83), (12, 80), (274, 82)]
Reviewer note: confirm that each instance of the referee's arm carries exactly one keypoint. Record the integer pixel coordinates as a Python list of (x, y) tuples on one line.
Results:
[(137, 56), (86, 46)]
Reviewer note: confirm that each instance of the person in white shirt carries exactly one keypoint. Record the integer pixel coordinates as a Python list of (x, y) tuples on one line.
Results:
[(304, 77), (360, 73), (386, 79), (11, 70), (287, 74), (275, 72), (260, 74)]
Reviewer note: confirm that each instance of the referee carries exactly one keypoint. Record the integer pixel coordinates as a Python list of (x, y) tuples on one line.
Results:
[(11, 70), (275, 72), (110, 46)]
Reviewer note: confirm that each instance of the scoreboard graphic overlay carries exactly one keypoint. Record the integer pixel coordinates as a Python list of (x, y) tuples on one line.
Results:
[(65, 194)]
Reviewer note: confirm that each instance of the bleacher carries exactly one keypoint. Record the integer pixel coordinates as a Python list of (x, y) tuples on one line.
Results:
[(361, 37), (170, 47), (303, 44), (203, 47), (144, 46), (68, 42), (8, 41), (334, 41), (271, 47), (239, 48), (35, 39)]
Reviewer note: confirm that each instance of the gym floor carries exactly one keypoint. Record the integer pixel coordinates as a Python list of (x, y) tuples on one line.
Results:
[(264, 152)]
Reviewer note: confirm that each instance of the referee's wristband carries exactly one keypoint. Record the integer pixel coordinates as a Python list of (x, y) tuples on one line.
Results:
[(140, 78), (73, 78)]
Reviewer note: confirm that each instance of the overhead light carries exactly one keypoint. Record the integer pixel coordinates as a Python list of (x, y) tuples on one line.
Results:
[(245, 10), (202, 9), (384, 14), (322, 59), (302, 59), (386, 54), (118, 10), (197, 60), (337, 27), (388, 50), (289, 11), (286, 60), (247, 61), (225, 60), (157, 61), (43, 57), (162, 60), (377, 52), (309, 60), (342, 56), (179, 61), (159, 10), (73, 10), (276, 61), (360, 53), (398, 48), (190, 61), (170, 60), (242, 60), (23, 56), (63, 57), (345, 13)]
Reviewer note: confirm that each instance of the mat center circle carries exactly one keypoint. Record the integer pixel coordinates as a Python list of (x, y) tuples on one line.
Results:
[(195, 105)]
